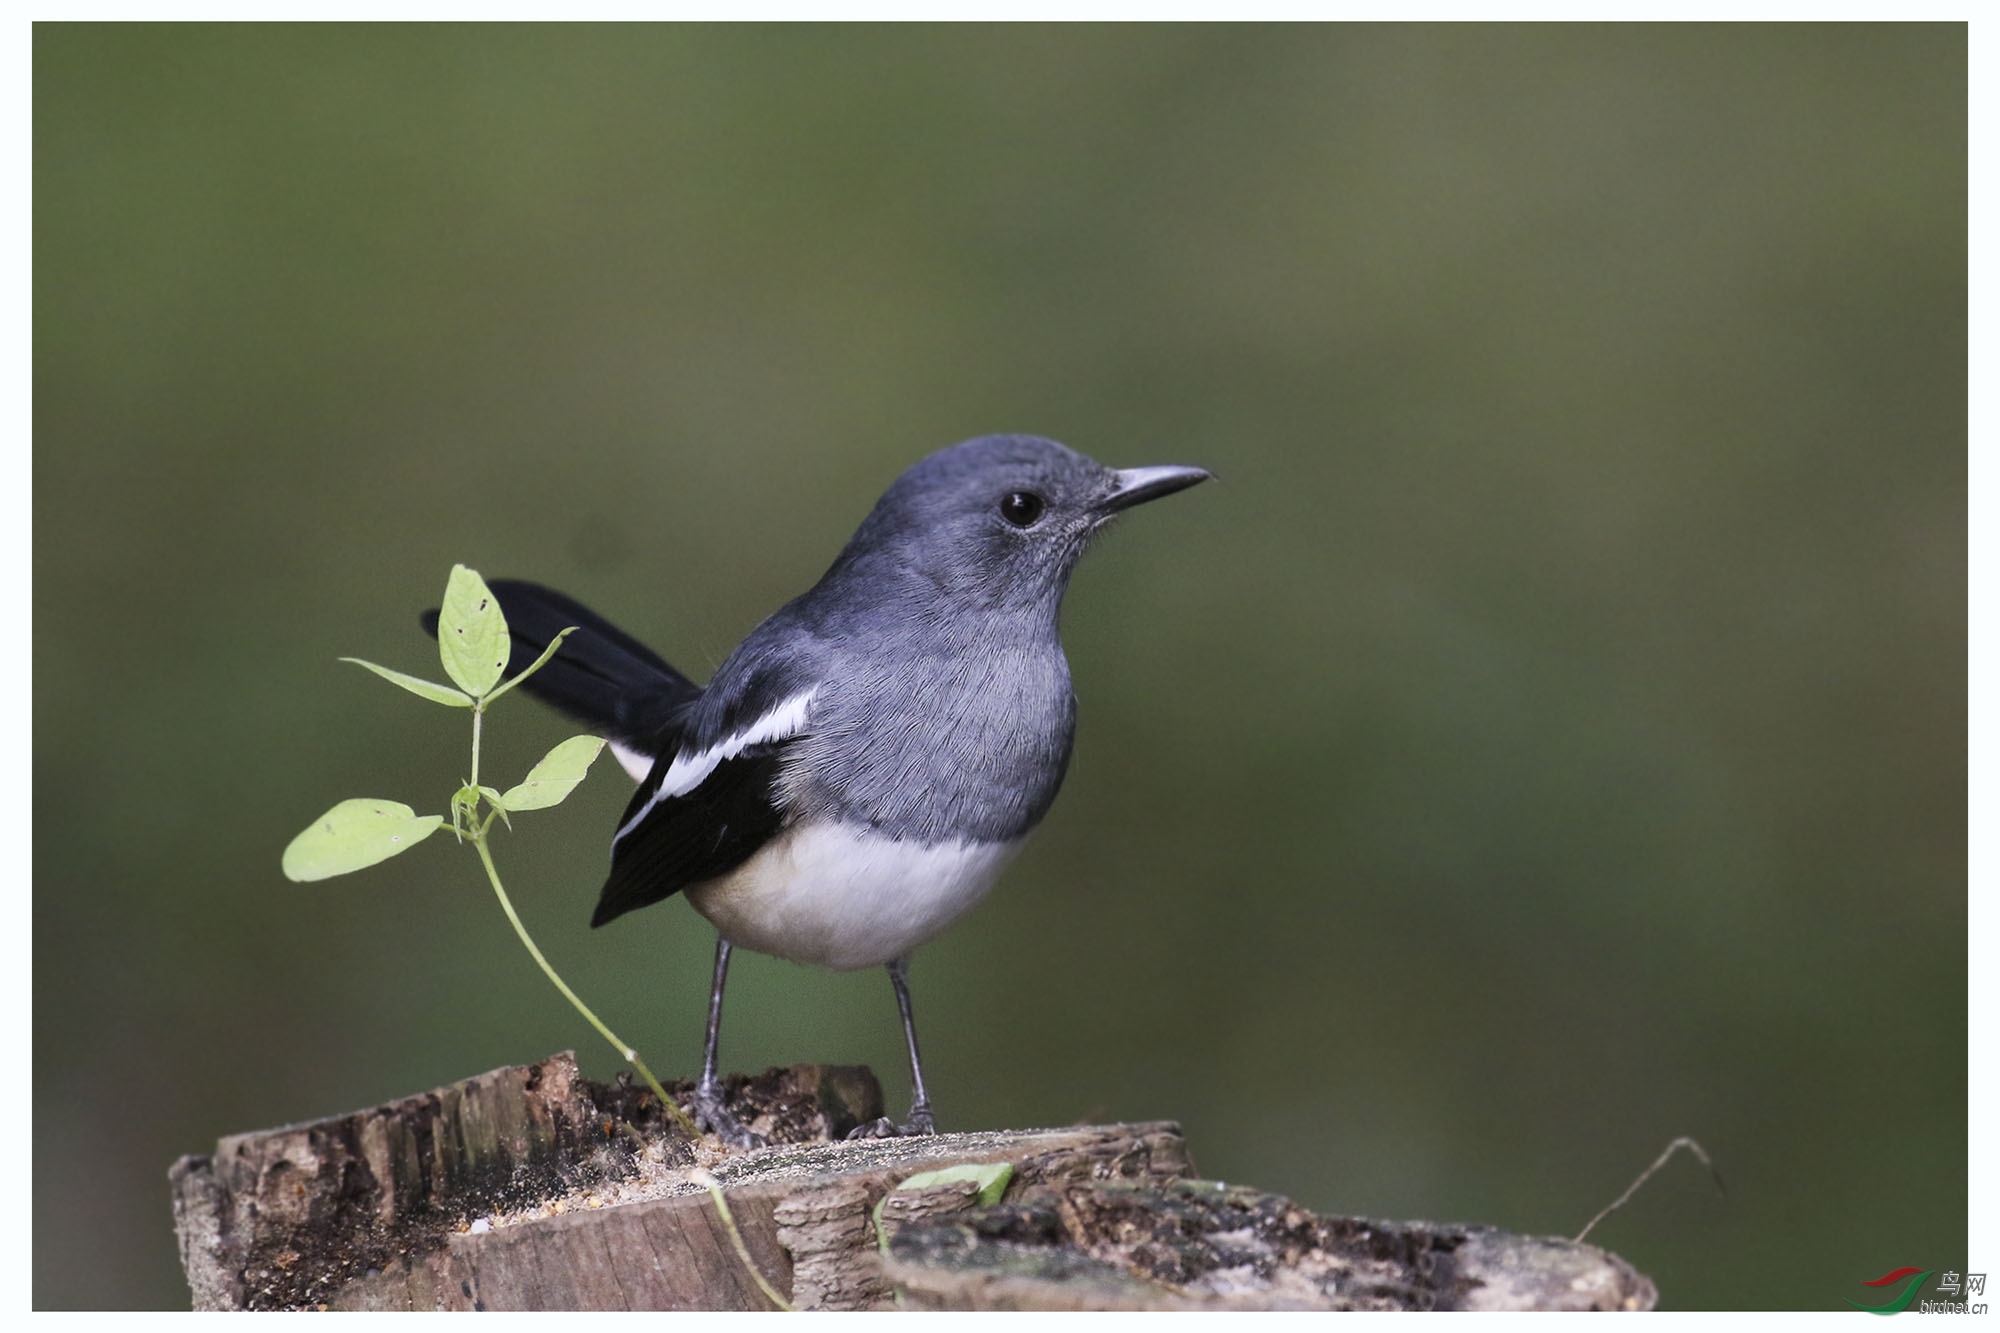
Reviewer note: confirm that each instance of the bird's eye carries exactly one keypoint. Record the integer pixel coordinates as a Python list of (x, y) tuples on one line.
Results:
[(1021, 508)]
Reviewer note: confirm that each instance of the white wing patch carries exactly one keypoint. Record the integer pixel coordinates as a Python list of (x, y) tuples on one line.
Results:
[(636, 762), (689, 771)]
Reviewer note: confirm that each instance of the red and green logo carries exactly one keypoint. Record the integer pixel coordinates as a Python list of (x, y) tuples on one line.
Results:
[(1901, 1303)]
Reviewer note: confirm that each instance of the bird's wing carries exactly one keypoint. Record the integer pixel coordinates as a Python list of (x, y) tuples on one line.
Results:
[(707, 808)]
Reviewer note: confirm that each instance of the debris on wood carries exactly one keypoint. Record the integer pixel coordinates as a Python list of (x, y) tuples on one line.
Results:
[(533, 1188)]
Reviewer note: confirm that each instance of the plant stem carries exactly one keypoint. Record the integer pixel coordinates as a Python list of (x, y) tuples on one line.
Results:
[(625, 1052), (478, 714), (714, 1188)]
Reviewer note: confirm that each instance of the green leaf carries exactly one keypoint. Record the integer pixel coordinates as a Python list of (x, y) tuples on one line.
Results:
[(493, 799), (550, 781), (472, 634), (991, 1177), (438, 694), (353, 835)]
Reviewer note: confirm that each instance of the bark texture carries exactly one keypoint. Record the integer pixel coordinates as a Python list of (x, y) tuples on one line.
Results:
[(532, 1188)]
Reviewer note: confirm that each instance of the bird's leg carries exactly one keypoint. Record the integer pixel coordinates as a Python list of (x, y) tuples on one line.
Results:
[(921, 1121), (920, 1101), (709, 1111)]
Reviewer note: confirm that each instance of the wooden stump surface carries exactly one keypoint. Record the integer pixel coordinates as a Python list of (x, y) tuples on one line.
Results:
[(533, 1188)]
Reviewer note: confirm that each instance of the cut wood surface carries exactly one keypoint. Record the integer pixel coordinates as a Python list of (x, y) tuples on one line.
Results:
[(533, 1188)]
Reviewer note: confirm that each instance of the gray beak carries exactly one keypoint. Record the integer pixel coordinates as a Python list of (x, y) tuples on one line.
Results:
[(1136, 485)]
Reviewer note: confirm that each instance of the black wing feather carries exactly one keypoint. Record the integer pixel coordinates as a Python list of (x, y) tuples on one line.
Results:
[(688, 839)]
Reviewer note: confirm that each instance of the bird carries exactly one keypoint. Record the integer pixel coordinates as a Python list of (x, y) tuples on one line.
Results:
[(857, 773)]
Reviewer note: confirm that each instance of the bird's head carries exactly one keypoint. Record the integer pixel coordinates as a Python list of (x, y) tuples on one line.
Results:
[(998, 522)]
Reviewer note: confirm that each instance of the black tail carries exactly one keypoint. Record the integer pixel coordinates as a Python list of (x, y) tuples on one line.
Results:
[(601, 676)]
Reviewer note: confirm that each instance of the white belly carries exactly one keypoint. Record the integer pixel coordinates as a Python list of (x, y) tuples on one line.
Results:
[(843, 897)]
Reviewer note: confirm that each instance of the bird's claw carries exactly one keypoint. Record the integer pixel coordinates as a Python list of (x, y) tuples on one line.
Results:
[(920, 1123), (712, 1115)]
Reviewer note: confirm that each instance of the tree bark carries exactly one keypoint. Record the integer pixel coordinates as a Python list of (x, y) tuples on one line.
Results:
[(533, 1188)]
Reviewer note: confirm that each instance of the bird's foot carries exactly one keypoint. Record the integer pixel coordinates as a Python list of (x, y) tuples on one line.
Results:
[(712, 1115), (920, 1123)]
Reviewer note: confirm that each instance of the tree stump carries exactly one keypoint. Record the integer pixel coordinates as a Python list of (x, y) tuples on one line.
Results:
[(533, 1188)]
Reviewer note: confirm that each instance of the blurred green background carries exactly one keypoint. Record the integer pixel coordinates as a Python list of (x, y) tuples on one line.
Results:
[(1548, 737)]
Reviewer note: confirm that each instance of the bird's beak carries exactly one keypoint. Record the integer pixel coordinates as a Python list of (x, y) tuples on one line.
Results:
[(1136, 485)]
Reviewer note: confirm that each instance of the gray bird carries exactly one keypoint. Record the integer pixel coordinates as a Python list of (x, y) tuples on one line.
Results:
[(864, 765)]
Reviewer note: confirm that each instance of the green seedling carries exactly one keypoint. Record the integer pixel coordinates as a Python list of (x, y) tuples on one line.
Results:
[(473, 648), (990, 1177)]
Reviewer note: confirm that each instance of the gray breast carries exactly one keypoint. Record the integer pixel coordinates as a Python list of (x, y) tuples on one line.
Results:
[(948, 742)]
